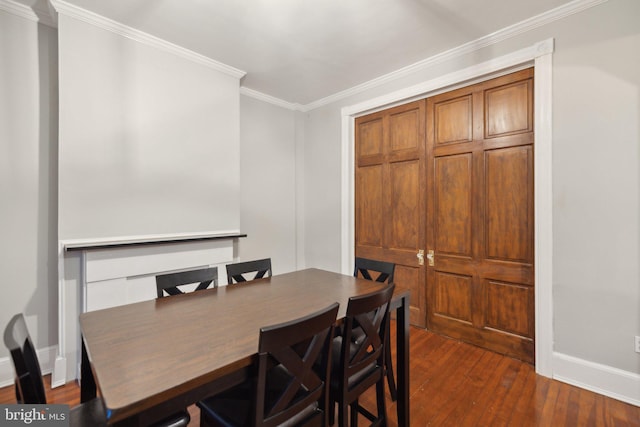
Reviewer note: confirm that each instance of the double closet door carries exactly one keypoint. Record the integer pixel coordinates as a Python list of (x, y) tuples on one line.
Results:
[(444, 189)]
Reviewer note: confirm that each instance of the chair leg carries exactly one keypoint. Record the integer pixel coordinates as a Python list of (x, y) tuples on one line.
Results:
[(342, 415), (354, 413), (388, 361), (332, 411), (382, 409)]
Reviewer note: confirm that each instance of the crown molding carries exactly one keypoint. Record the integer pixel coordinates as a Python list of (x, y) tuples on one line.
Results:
[(529, 24), (18, 9), (269, 99), (47, 16), (123, 30), (35, 14)]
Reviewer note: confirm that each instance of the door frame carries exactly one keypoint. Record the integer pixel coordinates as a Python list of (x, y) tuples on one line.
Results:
[(538, 55)]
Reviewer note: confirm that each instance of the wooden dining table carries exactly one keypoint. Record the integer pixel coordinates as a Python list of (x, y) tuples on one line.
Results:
[(150, 359)]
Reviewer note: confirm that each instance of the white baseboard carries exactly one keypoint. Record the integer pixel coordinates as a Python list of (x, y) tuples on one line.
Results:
[(601, 379), (59, 374), (6, 372), (46, 357)]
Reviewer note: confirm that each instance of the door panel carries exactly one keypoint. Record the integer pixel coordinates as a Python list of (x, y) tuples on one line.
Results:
[(508, 306), (390, 181), (509, 109), (509, 227), (404, 130), (405, 198), (452, 121), (453, 204), (480, 214), (370, 208), (409, 278), (453, 296), (370, 138)]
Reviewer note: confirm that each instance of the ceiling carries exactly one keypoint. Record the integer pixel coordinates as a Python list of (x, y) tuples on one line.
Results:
[(301, 51)]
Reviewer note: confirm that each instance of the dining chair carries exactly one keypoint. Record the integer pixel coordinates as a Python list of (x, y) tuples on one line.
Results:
[(379, 271), (29, 387), (290, 381), (237, 272), (368, 268), (361, 362), (169, 282)]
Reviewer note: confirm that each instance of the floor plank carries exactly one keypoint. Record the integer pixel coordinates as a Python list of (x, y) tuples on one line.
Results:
[(456, 384)]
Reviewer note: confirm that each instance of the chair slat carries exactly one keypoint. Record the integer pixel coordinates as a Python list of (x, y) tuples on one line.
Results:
[(239, 272), (169, 283)]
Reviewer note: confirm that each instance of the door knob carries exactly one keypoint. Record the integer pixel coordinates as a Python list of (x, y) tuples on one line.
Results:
[(420, 256), (431, 258)]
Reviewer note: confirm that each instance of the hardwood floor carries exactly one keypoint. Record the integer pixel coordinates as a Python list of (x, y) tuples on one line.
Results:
[(456, 384)]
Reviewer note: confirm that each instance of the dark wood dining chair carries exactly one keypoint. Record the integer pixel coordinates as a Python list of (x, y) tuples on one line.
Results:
[(168, 283), (29, 386), (361, 362), (379, 271), (290, 386), (240, 271)]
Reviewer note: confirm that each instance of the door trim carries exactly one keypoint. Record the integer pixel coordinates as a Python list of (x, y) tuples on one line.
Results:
[(538, 55)]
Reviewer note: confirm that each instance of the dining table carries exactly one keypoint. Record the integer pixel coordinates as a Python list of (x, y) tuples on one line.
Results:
[(154, 358)]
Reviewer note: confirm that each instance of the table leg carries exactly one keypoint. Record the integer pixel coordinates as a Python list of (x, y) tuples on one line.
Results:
[(402, 362), (87, 382)]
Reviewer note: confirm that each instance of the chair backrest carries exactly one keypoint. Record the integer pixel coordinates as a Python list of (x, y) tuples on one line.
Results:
[(169, 282), (28, 380), (367, 267), (239, 271), (362, 359), (294, 360)]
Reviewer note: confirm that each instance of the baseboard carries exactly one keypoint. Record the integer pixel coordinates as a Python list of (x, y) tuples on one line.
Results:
[(6, 372), (601, 379), (59, 374), (46, 357)]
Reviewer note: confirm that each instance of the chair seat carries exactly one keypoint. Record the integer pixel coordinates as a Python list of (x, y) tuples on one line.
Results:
[(232, 408), (90, 413), (179, 419)]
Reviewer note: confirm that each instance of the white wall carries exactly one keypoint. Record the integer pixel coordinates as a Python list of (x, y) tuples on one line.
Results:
[(596, 214), (149, 147), (322, 166), (267, 184), (149, 140), (28, 169), (597, 186)]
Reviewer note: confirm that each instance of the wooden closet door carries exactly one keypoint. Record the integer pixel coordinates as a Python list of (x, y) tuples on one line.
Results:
[(390, 195), (480, 214)]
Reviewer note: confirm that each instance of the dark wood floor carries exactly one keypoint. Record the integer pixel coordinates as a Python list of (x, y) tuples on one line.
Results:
[(455, 384)]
